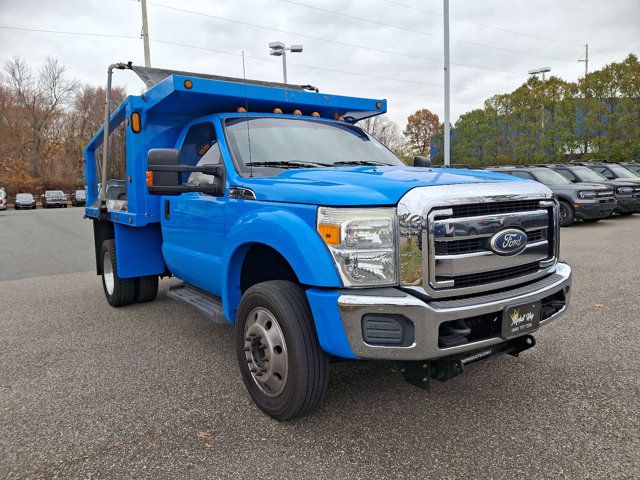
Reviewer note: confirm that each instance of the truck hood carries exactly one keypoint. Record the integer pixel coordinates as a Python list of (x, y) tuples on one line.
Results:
[(354, 186)]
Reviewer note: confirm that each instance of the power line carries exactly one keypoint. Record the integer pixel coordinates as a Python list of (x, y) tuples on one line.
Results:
[(338, 42), (422, 32), (186, 45), (485, 25), (88, 34)]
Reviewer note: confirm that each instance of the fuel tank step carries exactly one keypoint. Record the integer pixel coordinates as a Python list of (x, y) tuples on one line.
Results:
[(209, 305)]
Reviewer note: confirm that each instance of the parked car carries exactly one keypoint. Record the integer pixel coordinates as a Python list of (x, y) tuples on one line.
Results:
[(589, 202), (3, 199), (78, 198), (54, 198), (633, 166), (627, 192), (612, 170), (25, 201)]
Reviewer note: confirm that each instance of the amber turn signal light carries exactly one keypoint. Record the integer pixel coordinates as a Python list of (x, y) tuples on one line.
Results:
[(136, 123), (241, 110), (188, 84), (329, 233), (149, 178)]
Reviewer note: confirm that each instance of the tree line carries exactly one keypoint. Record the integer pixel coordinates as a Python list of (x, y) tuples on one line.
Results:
[(46, 118), (597, 117)]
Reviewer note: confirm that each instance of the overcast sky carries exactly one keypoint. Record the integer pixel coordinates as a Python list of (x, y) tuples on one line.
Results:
[(485, 60)]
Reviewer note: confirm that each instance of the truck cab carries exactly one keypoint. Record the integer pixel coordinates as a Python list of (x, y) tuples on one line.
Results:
[(284, 218)]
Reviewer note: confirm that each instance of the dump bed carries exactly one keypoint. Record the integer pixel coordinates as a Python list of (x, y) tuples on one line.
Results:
[(176, 100)]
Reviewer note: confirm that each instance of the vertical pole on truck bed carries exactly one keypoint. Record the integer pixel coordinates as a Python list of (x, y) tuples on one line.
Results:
[(447, 125), (106, 132)]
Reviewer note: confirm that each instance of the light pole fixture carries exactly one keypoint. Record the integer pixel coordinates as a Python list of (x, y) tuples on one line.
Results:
[(279, 49), (537, 71), (541, 70)]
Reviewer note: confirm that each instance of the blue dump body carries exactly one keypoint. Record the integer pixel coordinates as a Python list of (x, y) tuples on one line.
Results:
[(231, 186)]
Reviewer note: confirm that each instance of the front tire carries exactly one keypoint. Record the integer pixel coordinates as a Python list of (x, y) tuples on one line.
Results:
[(281, 362), (119, 291), (567, 215)]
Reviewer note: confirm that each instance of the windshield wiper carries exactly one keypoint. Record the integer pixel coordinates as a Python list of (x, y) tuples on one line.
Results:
[(360, 162), (287, 164)]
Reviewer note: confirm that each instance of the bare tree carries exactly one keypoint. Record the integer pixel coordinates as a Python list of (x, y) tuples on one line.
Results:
[(385, 130)]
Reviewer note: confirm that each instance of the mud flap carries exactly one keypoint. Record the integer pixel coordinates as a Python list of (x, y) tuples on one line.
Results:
[(442, 369)]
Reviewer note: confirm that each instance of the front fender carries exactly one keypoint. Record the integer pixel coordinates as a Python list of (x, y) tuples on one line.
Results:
[(291, 237)]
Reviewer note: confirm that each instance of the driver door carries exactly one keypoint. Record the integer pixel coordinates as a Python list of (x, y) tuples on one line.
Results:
[(193, 223)]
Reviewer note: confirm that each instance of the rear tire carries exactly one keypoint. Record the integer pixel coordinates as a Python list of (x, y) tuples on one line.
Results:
[(146, 288), (567, 215), (281, 362), (119, 291)]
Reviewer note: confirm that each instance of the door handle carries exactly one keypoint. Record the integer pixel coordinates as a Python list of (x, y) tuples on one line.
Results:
[(167, 210)]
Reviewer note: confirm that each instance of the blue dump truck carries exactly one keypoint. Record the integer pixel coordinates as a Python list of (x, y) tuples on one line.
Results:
[(281, 216)]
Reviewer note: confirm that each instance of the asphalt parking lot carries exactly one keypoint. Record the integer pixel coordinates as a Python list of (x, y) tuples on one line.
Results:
[(153, 390)]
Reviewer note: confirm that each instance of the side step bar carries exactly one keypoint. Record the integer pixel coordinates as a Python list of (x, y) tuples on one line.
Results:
[(209, 305)]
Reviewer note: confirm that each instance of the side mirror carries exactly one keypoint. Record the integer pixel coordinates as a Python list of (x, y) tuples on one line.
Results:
[(159, 180), (420, 161), (164, 170)]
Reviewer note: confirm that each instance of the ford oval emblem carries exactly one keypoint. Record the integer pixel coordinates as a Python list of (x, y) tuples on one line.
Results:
[(509, 241)]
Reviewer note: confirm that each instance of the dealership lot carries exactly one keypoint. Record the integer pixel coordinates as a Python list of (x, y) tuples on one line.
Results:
[(153, 390)]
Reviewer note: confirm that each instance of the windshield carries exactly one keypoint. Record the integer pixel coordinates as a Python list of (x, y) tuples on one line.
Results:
[(54, 193), (24, 196), (585, 174), (549, 177), (300, 143), (622, 172), (79, 193)]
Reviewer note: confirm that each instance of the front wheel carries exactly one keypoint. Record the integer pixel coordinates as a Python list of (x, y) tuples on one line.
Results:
[(119, 291), (281, 362), (567, 215)]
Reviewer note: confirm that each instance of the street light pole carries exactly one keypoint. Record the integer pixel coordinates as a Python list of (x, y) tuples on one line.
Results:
[(279, 49), (447, 125), (145, 34), (537, 71)]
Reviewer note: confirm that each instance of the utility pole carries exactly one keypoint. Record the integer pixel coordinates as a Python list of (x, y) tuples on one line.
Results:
[(145, 34), (447, 125), (586, 60)]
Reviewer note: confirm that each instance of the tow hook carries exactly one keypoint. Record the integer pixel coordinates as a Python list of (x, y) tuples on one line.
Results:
[(419, 373)]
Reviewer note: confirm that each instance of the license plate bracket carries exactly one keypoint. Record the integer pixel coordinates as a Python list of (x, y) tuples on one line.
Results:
[(521, 319)]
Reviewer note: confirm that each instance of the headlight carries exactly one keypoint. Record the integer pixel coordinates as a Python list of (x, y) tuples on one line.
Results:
[(587, 194), (362, 242), (624, 190)]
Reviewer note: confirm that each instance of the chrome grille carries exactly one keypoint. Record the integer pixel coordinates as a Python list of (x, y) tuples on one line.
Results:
[(445, 251)]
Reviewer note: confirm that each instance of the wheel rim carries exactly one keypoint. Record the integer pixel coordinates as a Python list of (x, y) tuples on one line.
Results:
[(265, 351), (107, 273), (563, 213)]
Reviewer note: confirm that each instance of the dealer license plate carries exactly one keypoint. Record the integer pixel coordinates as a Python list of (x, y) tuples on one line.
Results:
[(521, 319)]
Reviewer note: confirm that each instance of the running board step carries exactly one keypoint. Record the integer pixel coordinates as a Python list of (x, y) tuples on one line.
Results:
[(209, 305)]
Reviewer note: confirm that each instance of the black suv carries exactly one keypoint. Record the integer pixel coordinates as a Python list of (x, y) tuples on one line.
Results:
[(627, 192), (582, 201)]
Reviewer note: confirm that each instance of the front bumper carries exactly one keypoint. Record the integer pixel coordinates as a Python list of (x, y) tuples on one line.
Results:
[(55, 203), (427, 316), (590, 210), (628, 204), (25, 205)]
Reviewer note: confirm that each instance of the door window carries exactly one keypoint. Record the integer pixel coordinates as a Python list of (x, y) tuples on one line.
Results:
[(525, 175), (200, 147)]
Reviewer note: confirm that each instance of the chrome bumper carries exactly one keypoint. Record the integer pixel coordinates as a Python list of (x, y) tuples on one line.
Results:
[(428, 315)]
